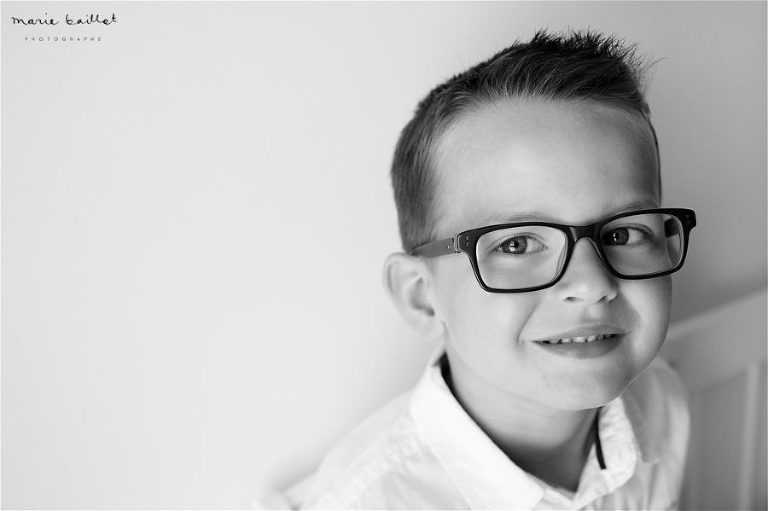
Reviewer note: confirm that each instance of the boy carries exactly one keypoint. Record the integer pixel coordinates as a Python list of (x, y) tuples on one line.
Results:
[(541, 395)]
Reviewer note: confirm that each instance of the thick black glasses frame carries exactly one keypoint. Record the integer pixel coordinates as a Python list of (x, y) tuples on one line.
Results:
[(465, 242)]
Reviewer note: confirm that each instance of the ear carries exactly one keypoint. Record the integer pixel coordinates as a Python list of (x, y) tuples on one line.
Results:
[(407, 280)]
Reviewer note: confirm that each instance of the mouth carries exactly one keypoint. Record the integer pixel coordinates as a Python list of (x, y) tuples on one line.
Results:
[(579, 339), (593, 346)]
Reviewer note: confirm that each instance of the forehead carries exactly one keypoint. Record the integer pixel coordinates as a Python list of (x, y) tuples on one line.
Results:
[(563, 161)]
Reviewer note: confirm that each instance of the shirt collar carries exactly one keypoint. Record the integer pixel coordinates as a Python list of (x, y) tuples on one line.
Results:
[(620, 451), (481, 471), (646, 440)]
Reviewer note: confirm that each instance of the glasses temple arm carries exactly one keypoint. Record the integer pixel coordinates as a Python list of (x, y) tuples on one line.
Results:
[(436, 248)]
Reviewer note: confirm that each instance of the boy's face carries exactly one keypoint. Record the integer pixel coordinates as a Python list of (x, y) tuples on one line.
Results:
[(565, 162)]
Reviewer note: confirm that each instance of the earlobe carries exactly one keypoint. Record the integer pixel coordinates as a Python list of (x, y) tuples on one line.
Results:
[(406, 280)]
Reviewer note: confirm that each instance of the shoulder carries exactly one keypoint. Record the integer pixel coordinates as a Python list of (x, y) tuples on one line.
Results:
[(375, 463), (657, 406)]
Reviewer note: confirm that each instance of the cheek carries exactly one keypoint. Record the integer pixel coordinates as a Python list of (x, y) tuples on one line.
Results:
[(650, 302), (479, 320), (473, 315), (656, 297)]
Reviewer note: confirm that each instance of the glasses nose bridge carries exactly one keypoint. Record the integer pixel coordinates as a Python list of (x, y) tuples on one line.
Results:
[(577, 232)]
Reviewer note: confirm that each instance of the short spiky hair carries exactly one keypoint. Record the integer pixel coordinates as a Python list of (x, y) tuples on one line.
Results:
[(577, 65)]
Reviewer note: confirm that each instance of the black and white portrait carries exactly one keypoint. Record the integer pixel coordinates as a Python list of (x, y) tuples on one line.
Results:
[(218, 260)]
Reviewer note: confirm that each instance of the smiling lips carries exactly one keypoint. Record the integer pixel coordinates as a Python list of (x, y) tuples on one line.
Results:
[(591, 341), (584, 334), (579, 339)]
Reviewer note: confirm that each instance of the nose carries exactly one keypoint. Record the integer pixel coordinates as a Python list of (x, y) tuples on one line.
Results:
[(586, 279)]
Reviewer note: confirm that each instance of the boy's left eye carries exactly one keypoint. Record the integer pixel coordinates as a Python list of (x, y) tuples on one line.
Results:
[(628, 235)]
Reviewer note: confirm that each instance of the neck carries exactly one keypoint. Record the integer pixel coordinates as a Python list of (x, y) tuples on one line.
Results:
[(548, 443)]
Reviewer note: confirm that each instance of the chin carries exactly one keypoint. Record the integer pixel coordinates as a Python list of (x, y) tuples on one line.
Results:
[(592, 393)]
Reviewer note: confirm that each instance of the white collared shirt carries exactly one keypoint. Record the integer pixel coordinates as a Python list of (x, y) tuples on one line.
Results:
[(422, 451)]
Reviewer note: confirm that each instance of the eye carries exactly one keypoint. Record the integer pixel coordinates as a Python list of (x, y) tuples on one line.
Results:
[(519, 245), (627, 235)]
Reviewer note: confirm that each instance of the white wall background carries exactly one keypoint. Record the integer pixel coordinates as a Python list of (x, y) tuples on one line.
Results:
[(195, 211)]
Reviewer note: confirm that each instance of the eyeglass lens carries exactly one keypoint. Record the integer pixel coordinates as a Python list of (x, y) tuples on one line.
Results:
[(533, 255)]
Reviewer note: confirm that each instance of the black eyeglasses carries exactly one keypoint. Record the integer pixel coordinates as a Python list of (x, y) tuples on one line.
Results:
[(528, 256)]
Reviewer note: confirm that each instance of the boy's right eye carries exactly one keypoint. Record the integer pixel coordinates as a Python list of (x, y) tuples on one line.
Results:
[(520, 245)]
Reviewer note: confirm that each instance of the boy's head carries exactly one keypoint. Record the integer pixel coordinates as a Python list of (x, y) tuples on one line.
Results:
[(555, 130), (576, 67)]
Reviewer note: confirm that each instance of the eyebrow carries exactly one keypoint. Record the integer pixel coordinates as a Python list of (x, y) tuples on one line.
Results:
[(526, 216), (521, 216)]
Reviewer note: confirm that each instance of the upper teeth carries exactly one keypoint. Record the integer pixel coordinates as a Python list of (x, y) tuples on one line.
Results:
[(589, 338)]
